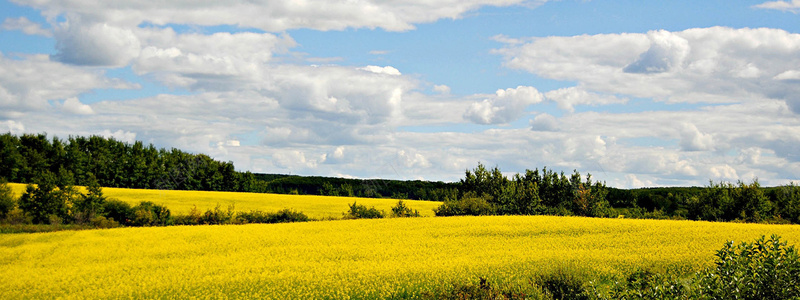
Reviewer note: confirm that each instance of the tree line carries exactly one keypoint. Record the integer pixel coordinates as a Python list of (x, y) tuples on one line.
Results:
[(487, 192), (115, 163)]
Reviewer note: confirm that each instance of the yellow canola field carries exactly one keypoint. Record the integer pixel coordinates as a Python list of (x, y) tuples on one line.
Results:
[(352, 258), (318, 207)]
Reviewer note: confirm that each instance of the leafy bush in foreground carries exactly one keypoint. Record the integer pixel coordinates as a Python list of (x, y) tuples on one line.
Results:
[(765, 269)]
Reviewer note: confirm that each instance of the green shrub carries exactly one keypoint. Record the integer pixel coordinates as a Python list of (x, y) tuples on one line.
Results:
[(645, 284), (357, 211), (287, 216), (562, 285), (402, 211), (103, 222), (118, 211), (149, 214), (765, 269), (483, 290), (282, 216), (217, 216), (467, 206), (7, 202)]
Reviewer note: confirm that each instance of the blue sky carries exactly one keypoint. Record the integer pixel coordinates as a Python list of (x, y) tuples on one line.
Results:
[(638, 93)]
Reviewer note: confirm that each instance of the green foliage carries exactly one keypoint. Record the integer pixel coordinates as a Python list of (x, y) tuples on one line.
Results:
[(402, 210), (286, 216), (787, 200), (645, 284), (469, 205), (7, 202), (45, 200), (149, 214), (484, 290), (119, 211), (90, 205), (218, 216), (357, 211), (729, 202), (764, 269), (563, 285)]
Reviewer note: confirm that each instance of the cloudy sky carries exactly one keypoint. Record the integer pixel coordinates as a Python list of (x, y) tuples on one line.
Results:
[(638, 93)]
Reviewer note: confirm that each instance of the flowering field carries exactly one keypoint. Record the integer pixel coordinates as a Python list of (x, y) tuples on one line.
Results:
[(350, 259), (180, 202)]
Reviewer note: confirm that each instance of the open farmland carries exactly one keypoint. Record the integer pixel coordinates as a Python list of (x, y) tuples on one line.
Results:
[(356, 258), (181, 202)]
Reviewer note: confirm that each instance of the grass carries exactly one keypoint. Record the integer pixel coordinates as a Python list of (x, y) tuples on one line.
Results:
[(352, 259), (317, 207)]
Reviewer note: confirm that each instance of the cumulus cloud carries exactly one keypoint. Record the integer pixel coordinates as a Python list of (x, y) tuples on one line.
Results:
[(544, 122), (567, 98), (28, 84), (95, 44), (503, 107), (273, 16), (694, 140), (714, 65), (667, 51), (27, 26), (388, 70), (441, 89), (13, 127), (73, 105), (790, 6)]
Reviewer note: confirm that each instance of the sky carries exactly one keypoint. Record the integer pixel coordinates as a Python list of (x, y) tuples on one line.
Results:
[(637, 93)]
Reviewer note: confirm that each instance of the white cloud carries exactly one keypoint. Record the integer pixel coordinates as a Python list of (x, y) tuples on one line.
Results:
[(441, 89), (73, 105), (544, 122), (388, 70), (27, 26), (694, 140), (714, 65), (29, 83), (567, 98), (272, 16), (13, 127), (119, 135), (790, 6), (667, 51), (503, 107), (95, 44)]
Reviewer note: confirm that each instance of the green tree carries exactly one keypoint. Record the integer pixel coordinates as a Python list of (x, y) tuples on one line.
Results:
[(91, 204), (45, 200), (787, 200), (7, 202), (402, 210)]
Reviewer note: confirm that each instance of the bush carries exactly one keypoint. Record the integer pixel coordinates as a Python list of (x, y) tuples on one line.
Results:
[(7, 202), (103, 222), (562, 285), (150, 214), (483, 290), (362, 212), (118, 211), (402, 211), (645, 284), (287, 216), (467, 206), (765, 269), (217, 216)]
